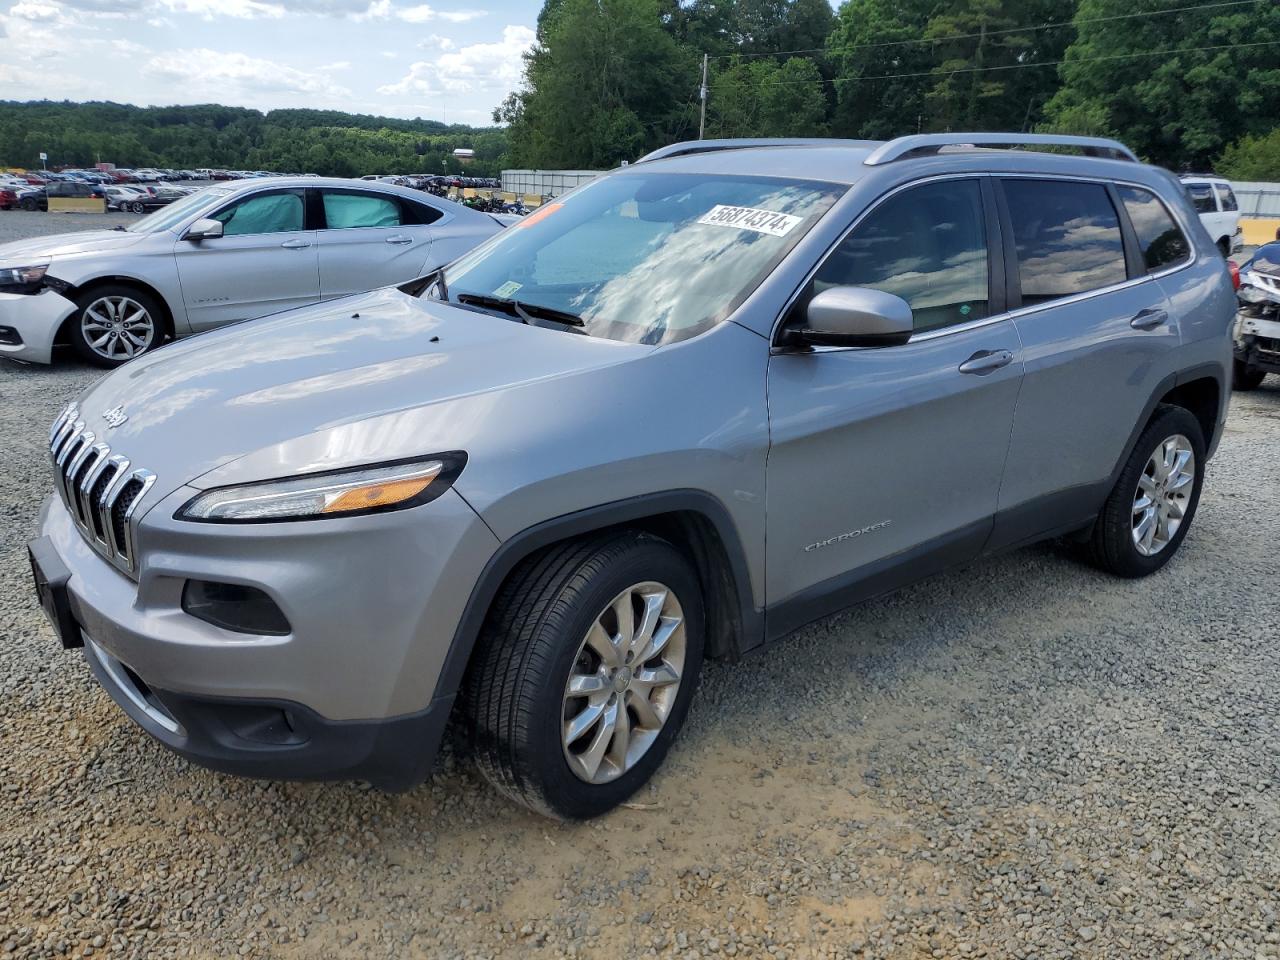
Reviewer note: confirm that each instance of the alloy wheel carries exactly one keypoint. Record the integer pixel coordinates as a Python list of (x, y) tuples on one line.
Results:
[(624, 682), (117, 327), (1163, 495)]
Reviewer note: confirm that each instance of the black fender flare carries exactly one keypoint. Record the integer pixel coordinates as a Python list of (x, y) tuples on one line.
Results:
[(750, 625)]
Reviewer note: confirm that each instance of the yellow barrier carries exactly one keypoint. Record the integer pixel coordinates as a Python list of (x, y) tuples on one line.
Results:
[(508, 197), (532, 200), (1259, 230), (77, 205)]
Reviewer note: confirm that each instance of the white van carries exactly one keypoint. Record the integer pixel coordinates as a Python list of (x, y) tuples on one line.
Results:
[(1216, 204)]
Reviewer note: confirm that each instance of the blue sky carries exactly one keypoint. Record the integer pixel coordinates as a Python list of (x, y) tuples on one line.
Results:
[(451, 61)]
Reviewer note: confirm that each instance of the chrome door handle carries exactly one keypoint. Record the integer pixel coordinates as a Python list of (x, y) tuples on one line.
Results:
[(987, 361), (296, 244), (399, 239), (1149, 319)]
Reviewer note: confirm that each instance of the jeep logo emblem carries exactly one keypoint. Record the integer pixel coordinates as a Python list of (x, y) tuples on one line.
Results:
[(115, 416)]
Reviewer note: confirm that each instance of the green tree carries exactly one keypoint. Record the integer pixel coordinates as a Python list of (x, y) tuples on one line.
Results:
[(1252, 158), (762, 98), (1178, 87), (606, 82)]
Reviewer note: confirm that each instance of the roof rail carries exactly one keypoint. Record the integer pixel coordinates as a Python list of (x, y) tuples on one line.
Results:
[(687, 147), (926, 144)]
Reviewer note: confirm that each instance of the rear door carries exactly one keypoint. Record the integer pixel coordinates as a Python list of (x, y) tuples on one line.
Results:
[(264, 262), (370, 239), (1098, 336)]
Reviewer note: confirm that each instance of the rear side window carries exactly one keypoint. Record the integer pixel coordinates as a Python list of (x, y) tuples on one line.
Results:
[(927, 245), (420, 213), (1226, 199), (343, 211), (1162, 243), (1201, 195), (1068, 238)]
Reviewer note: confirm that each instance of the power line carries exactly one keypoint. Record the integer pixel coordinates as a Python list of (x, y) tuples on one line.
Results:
[(993, 33), (1022, 66)]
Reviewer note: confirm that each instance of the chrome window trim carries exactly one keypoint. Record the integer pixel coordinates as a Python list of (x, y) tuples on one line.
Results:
[(958, 328)]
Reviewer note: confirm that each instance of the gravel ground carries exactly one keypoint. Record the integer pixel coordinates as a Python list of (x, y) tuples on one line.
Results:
[(21, 224), (1024, 758)]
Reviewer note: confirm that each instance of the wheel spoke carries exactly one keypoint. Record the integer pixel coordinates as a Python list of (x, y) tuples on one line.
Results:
[(1147, 484), (584, 721), (1142, 532), (583, 685), (647, 718), (626, 618), (1176, 509), (99, 319), (621, 737), (1142, 503), (591, 757), (598, 640), (648, 623), (659, 676), (1163, 528), (101, 340)]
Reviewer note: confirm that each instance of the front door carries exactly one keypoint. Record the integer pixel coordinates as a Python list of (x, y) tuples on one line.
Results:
[(885, 463), (264, 262)]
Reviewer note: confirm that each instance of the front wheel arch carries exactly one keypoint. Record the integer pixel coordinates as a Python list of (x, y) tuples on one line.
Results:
[(88, 286)]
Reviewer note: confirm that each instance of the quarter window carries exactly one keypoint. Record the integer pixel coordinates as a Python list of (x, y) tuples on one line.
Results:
[(264, 213), (1161, 241), (1067, 236), (927, 245), (1226, 198), (343, 211)]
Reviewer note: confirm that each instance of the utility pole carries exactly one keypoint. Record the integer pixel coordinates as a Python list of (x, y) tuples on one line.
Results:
[(702, 118)]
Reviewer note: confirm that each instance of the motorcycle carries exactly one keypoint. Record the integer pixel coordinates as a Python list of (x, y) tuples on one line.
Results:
[(1257, 329)]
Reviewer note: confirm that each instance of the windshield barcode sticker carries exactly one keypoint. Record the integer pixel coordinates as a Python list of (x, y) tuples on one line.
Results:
[(749, 218)]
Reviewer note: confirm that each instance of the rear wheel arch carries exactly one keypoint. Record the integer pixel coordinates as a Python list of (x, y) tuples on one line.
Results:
[(694, 522)]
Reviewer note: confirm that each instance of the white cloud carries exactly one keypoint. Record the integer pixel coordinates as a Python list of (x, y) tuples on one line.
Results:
[(419, 13), (437, 42), (480, 66), (38, 10), (239, 9), (221, 74)]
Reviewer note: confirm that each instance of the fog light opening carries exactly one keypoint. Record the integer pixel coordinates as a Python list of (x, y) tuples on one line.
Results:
[(235, 607)]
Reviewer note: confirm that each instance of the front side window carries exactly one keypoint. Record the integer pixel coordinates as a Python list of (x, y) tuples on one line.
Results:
[(1161, 241), (927, 245), (1226, 198), (644, 257), (343, 211), (1067, 236), (263, 213), (1201, 195)]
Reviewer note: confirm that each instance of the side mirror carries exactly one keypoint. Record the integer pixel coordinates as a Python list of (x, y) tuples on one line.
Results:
[(204, 229), (856, 317)]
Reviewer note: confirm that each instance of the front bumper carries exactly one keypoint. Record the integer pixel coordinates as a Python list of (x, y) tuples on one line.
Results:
[(1257, 343), (275, 739), (350, 692), (36, 319)]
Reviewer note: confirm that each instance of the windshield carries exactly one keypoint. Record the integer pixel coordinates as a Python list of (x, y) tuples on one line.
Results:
[(167, 217), (645, 257)]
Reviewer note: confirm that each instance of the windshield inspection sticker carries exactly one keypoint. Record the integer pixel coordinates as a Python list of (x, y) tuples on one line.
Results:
[(749, 218), (507, 289)]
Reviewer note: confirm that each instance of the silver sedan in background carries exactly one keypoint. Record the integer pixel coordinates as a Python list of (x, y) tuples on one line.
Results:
[(225, 253)]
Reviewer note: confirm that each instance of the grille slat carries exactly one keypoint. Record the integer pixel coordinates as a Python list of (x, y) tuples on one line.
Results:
[(98, 488)]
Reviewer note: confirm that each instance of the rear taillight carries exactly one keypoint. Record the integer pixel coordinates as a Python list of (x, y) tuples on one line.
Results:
[(1235, 274)]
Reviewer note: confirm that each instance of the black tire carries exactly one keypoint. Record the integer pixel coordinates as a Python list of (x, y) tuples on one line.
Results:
[(29, 204), (1111, 544), (1245, 377), (514, 693), (1224, 246), (138, 207), (75, 329)]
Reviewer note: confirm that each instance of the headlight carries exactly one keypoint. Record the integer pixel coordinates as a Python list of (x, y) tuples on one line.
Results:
[(335, 493), (22, 279)]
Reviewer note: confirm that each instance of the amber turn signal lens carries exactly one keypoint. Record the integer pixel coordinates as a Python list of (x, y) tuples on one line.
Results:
[(378, 495)]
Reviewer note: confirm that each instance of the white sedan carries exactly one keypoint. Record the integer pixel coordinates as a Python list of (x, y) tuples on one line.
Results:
[(228, 252)]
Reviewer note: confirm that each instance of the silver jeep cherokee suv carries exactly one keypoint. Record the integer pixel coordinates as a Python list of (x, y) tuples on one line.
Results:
[(681, 412)]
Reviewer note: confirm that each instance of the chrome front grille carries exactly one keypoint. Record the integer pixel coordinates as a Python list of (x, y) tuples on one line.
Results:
[(98, 488)]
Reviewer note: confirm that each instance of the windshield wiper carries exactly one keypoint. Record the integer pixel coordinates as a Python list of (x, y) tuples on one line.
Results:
[(521, 310)]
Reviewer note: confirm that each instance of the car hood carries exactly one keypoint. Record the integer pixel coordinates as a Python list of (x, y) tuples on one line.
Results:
[(65, 244), (373, 377)]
